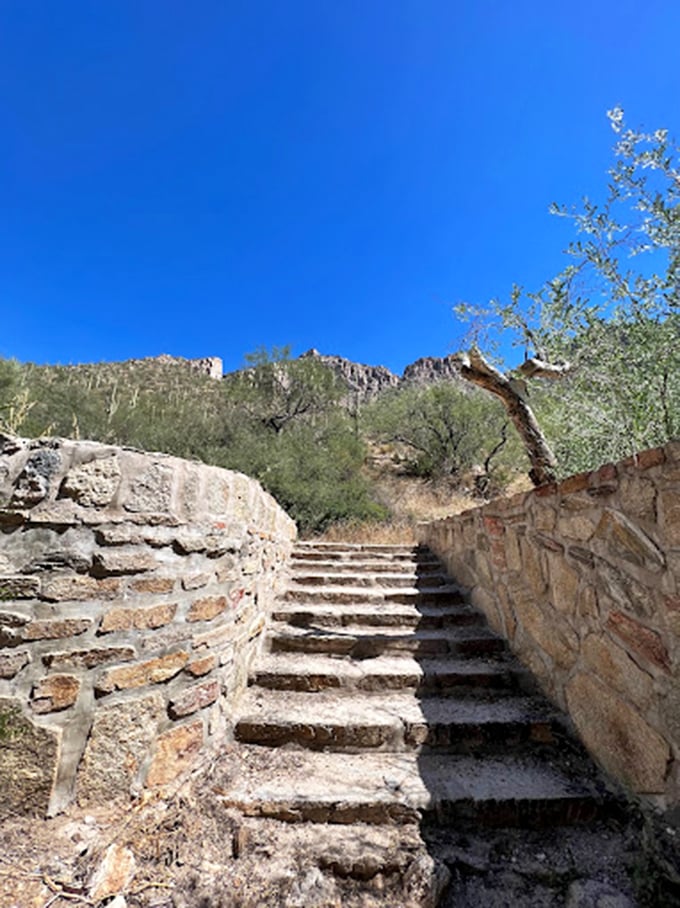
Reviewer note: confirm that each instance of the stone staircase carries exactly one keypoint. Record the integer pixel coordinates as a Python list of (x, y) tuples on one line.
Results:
[(384, 706)]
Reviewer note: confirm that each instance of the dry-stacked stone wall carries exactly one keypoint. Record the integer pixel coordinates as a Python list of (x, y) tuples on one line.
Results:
[(134, 590), (583, 580)]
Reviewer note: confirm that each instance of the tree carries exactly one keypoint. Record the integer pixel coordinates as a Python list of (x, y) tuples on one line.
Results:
[(607, 325), (446, 429), (275, 390)]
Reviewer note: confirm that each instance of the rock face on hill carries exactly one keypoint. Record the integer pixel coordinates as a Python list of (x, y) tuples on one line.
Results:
[(368, 381), (364, 381), (430, 369)]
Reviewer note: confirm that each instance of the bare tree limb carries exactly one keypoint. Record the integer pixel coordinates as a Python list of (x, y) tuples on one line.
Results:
[(539, 368), (474, 368)]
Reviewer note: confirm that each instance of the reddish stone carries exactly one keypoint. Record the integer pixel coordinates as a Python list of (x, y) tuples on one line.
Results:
[(193, 699), (493, 526), (207, 609), (545, 491), (574, 483), (642, 640), (200, 667), (653, 457), (54, 693), (605, 474), (672, 603), (149, 618)]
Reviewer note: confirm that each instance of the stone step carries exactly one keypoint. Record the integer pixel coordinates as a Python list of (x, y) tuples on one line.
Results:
[(381, 615), (418, 567), (418, 595), (408, 579), (466, 677), (461, 791), (334, 552), (392, 721), (306, 545), (362, 643)]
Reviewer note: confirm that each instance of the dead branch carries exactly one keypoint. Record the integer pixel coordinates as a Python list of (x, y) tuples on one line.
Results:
[(539, 368), (474, 368)]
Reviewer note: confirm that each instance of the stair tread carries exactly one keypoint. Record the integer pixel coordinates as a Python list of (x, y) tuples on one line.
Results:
[(382, 665), (388, 609), (418, 781), (464, 632), (334, 708)]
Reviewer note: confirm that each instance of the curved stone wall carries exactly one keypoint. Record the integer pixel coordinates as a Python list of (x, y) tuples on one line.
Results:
[(134, 589), (583, 580)]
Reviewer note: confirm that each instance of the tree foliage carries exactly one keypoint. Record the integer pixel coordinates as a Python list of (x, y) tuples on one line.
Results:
[(609, 323)]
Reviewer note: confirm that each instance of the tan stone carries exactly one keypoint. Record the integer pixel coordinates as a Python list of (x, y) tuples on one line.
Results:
[(154, 671), (669, 506), (611, 664), (545, 518), (564, 583), (152, 490), (114, 873), (54, 693), (12, 663), (120, 741), (59, 588), (617, 735), (196, 581), (150, 617), (113, 561), (93, 484), (29, 756), (152, 585), (176, 750), (552, 634), (56, 629), (626, 540), (533, 572), (206, 609), (638, 498)]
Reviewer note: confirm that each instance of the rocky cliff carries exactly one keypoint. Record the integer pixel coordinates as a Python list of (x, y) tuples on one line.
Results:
[(368, 381)]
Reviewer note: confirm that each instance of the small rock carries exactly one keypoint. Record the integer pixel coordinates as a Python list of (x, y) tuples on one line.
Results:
[(114, 873)]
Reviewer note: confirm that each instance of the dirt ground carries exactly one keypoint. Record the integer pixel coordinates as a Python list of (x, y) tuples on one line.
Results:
[(182, 848)]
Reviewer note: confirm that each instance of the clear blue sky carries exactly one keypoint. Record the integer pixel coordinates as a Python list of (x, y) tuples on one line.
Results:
[(206, 177)]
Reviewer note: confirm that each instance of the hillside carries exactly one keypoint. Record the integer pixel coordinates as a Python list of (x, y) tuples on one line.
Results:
[(335, 441)]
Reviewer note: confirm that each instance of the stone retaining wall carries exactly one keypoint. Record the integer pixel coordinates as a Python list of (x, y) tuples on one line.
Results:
[(134, 589), (583, 580)]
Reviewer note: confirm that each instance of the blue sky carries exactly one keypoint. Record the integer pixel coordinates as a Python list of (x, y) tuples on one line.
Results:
[(202, 178)]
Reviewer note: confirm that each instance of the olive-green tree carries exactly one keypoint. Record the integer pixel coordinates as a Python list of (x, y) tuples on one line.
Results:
[(602, 337)]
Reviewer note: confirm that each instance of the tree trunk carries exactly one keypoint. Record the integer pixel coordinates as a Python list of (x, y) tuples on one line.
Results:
[(474, 368)]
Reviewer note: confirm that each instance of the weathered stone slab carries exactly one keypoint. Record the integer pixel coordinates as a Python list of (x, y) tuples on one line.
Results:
[(120, 740), (624, 742), (29, 756)]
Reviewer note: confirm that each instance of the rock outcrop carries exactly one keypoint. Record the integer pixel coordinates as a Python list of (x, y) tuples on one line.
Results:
[(366, 382)]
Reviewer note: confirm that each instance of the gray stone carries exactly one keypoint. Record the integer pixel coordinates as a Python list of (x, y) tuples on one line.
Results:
[(93, 484), (33, 482)]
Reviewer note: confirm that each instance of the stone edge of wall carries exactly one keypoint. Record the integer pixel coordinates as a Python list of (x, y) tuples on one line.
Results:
[(583, 580), (134, 590)]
